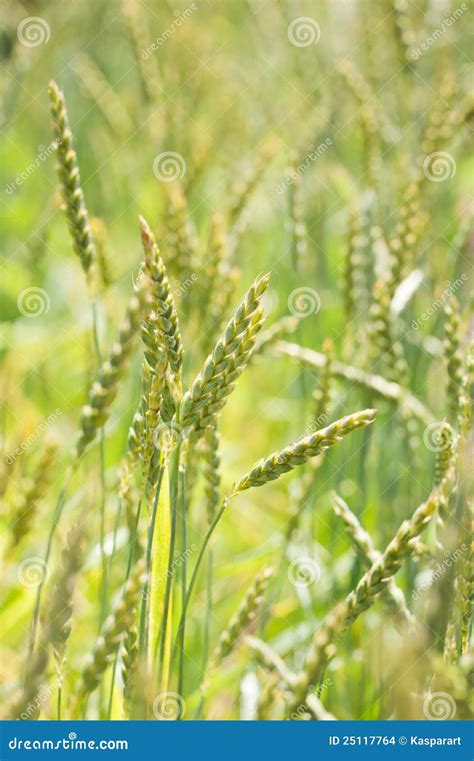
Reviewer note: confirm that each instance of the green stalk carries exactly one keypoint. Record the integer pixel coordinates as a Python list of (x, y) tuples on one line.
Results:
[(174, 474), (143, 629), (103, 595), (127, 576), (182, 495), (207, 629), (61, 501), (207, 626), (192, 583)]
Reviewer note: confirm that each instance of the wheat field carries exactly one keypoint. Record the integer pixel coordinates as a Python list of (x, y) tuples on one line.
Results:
[(236, 253)]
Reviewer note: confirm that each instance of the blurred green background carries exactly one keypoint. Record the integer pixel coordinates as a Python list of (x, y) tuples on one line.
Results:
[(237, 97)]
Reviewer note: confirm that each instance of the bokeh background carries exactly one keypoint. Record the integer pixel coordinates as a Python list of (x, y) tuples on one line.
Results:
[(304, 130)]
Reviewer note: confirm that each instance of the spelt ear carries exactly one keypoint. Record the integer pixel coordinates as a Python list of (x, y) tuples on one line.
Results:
[(244, 616), (69, 176), (103, 391), (29, 497), (457, 379), (113, 632), (166, 321), (212, 387), (365, 593), (55, 630), (365, 546), (270, 468)]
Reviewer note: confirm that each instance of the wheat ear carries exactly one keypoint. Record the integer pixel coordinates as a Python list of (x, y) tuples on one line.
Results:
[(29, 497), (244, 616), (374, 581), (465, 580), (115, 627), (354, 262), (403, 31), (211, 469), (363, 542), (222, 368), (104, 96), (284, 460), (243, 190), (272, 468), (167, 323), (103, 391), (182, 244), (55, 631), (454, 361), (130, 668), (69, 176)]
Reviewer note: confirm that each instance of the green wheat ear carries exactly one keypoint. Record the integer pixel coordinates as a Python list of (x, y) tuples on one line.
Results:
[(115, 628), (55, 631), (364, 544), (165, 314), (28, 497), (104, 389), (69, 176), (212, 387), (243, 617), (270, 468), (365, 593)]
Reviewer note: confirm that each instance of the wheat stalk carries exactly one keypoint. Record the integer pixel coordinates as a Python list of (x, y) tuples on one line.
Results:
[(381, 387), (54, 632)]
